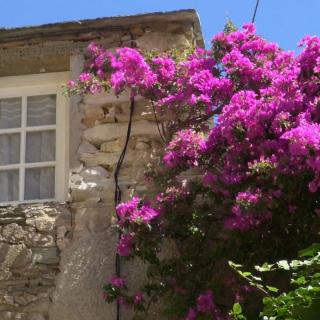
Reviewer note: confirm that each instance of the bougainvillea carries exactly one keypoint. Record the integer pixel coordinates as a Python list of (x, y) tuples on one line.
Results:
[(256, 192)]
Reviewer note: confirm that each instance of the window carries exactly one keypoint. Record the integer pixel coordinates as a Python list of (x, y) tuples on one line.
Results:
[(33, 138)]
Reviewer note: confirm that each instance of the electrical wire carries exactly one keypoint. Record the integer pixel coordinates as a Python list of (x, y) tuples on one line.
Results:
[(158, 125), (255, 11), (118, 192)]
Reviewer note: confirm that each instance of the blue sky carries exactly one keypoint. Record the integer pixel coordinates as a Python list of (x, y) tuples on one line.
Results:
[(282, 21)]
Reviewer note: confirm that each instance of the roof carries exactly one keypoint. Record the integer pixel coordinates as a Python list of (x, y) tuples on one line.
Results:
[(70, 30)]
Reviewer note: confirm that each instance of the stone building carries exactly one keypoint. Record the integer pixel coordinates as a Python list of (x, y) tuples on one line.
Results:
[(57, 157)]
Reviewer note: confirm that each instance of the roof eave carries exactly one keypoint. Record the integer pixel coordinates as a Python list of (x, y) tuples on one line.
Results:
[(56, 30)]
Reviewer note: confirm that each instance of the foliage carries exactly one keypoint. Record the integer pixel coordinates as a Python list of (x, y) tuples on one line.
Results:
[(255, 195), (304, 294)]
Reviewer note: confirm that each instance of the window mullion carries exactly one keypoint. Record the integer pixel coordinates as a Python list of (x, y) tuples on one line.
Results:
[(22, 148), (40, 164), (10, 130)]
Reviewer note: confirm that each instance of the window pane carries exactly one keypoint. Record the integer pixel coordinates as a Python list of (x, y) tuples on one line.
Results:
[(39, 183), (9, 148), (40, 146), (10, 113), (41, 110), (9, 185)]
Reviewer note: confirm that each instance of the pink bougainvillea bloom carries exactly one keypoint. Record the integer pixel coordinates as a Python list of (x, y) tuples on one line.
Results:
[(118, 282), (138, 297), (192, 315), (205, 303), (84, 77), (125, 245)]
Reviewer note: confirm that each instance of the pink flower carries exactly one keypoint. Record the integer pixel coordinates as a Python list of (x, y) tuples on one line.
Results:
[(125, 245), (105, 295), (118, 282), (184, 150), (164, 69), (313, 187), (205, 302), (71, 83), (134, 211), (192, 315), (138, 297), (85, 77)]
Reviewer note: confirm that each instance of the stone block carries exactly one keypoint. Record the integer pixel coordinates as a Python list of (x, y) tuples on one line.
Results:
[(23, 259), (103, 98), (109, 160), (113, 146), (8, 218), (47, 256), (162, 41), (12, 233), (106, 160), (92, 113), (108, 132), (92, 219), (39, 306), (13, 256), (24, 298), (137, 31), (103, 190), (42, 212), (86, 147), (45, 223), (36, 239), (142, 146)]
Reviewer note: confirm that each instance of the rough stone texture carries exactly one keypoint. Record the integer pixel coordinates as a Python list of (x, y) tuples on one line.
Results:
[(108, 132), (84, 269), (162, 41), (29, 258), (88, 261)]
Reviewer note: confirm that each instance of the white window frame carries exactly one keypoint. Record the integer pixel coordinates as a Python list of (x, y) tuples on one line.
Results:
[(32, 85)]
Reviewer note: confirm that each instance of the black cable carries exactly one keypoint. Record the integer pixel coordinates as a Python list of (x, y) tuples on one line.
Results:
[(117, 192), (255, 11), (158, 126)]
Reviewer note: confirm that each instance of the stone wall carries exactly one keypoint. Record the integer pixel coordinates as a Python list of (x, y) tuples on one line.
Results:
[(30, 240), (89, 261), (55, 258)]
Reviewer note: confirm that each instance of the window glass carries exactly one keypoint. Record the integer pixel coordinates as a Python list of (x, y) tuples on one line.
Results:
[(9, 148), (9, 185), (39, 183), (40, 146), (10, 113), (41, 110)]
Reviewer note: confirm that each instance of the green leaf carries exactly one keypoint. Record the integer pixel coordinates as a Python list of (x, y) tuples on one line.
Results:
[(283, 264), (310, 251), (245, 274), (272, 289), (300, 281), (296, 264), (237, 309), (234, 265), (264, 268)]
